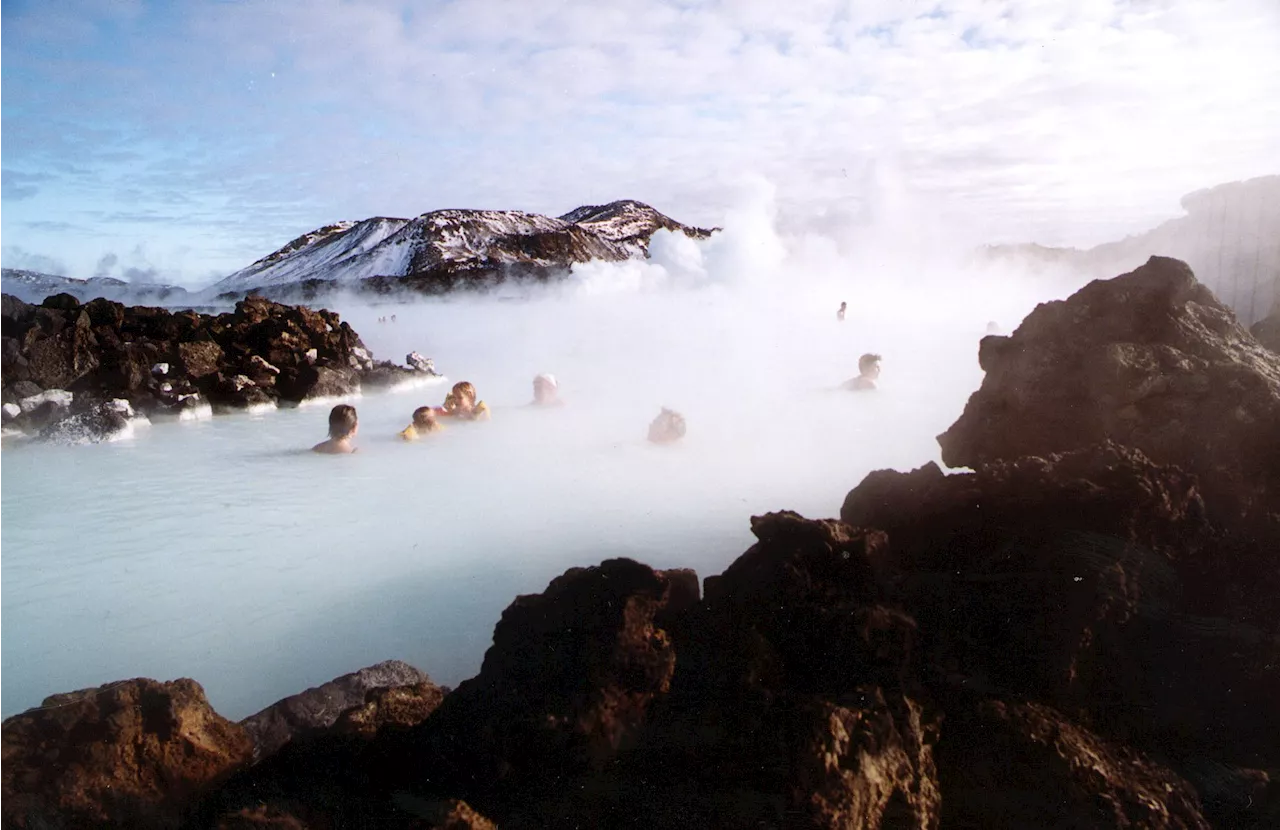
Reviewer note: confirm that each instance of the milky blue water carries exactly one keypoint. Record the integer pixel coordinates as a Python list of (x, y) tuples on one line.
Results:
[(224, 551)]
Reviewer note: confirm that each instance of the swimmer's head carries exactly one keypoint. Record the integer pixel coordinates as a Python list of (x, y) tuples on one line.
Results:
[(343, 422), (843, 305), (424, 417), (464, 391), (869, 365)]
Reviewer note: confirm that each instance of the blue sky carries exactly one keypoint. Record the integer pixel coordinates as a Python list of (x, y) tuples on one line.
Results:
[(181, 141)]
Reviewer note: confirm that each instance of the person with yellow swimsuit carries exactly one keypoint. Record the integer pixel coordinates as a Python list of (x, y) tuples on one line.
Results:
[(461, 403), (424, 422)]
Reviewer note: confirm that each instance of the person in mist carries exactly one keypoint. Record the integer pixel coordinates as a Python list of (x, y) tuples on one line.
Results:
[(546, 391), (424, 422), (461, 403), (343, 426), (868, 372), (840, 313), (667, 428)]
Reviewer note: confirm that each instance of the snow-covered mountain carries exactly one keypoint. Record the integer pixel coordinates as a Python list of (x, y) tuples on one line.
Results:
[(442, 248), (34, 286)]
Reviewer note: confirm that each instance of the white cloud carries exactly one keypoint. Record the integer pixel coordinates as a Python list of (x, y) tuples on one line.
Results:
[(1020, 119)]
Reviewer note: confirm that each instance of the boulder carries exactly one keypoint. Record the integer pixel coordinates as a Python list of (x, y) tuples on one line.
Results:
[(138, 753), (319, 707), (199, 358), (419, 363), (1149, 359), (569, 680), (306, 382), (406, 705), (25, 389), (15, 315), (105, 421), (1014, 764), (234, 392), (1267, 330)]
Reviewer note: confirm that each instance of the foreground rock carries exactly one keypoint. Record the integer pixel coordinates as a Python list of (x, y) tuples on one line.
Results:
[(130, 754), (1149, 359), (62, 358), (319, 707), (1055, 638)]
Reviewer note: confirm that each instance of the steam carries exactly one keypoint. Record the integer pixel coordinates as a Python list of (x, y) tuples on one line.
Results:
[(305, 567)]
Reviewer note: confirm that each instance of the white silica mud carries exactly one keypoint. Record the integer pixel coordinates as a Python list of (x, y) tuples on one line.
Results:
[(223, 550)]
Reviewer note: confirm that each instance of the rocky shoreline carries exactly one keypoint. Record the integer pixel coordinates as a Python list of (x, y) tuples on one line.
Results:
[(86, 372), (1078, 632)]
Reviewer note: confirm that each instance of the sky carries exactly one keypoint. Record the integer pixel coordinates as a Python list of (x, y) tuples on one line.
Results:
[(179, 142)]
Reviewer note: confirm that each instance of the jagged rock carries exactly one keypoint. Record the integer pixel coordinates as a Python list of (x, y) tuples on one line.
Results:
[(234, 391), (569, 679), (319, 707), (449, 814), (102, 422), (317, 382), (200, 358), (1149, 359), (1026, 765), (406, 705), (131, 754), (1267, 330), (260, 353), (420, 364), (1093, 581)]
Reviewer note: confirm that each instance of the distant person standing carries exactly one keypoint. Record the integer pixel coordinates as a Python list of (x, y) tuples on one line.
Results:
[(840, 314), (868, 372), (343, 426)]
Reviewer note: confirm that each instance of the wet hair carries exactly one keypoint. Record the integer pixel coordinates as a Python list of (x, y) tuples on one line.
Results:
[(342, 421), (464, 388), (423, 416), (867, 361)]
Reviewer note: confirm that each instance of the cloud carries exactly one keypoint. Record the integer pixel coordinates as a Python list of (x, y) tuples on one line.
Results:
[(15, 256), (1026, 120), (15, 186)]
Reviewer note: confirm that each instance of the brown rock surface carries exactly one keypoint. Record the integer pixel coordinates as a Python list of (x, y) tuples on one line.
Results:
[(131, 754), (400, 705), (1149, 359), (319, 707)]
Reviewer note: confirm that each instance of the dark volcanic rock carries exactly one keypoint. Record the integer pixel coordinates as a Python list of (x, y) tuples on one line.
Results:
[(317, 708), (1149, 359), (199, 358), (261, 353), (130, 754), (568, 680), (100, 422), (1267, 330), (406, 705), (1025, 765)]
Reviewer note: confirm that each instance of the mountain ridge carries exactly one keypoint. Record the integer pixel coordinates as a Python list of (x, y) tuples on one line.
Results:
[(441, 248)]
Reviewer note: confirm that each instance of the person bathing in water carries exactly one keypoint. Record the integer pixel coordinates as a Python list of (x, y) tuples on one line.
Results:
[(343, 426), (868, 371), (840, 314), (461, 403), (546, 391), (667, 428), (424, 422)]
